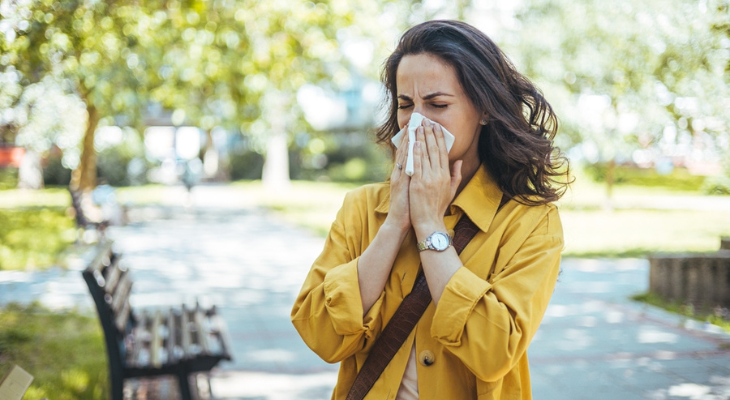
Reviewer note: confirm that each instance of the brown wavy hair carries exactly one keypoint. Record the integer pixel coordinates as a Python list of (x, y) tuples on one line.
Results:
[(516, 144)]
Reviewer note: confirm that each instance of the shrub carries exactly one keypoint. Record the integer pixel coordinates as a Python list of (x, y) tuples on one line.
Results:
[(717, 185), (54, 173), (246, 165)]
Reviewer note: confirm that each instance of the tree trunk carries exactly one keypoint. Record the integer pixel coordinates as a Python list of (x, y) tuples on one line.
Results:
[(275, 175), (276, 165), (84, 176)]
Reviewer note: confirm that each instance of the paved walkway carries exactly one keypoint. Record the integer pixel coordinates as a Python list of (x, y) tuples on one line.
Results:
[(594, 343)]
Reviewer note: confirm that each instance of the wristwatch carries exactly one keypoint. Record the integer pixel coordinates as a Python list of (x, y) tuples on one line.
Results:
[(438, 241)]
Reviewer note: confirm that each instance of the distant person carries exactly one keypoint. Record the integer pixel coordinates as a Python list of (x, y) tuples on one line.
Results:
[(497, 182), (191, 173), (192, 170), (104, 196)]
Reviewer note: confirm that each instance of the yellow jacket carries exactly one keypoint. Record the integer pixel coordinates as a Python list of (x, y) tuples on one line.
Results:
[(487, 315)]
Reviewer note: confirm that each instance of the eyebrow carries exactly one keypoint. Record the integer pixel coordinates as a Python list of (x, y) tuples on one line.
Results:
[(426, 97)]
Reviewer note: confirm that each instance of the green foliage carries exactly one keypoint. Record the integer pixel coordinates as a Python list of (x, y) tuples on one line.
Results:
[(678, 179), (34, 238), (8, 178), (349, 157), (627, 75), (63, 351), (236, 64)]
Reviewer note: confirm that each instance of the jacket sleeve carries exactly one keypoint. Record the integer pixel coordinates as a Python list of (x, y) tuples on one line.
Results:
[(328, 312), (489, 326)]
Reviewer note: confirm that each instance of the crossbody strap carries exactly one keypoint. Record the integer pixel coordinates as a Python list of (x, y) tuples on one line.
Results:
[(405, 318)]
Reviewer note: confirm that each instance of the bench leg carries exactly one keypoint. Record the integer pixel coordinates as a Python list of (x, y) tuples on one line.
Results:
[(117, 385), (184, 382)]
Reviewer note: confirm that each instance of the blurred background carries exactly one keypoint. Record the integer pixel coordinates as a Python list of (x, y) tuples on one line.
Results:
[(175, 110)]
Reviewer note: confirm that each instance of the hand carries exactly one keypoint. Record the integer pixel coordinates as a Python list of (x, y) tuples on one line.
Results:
[(432, 186), (399, 214)]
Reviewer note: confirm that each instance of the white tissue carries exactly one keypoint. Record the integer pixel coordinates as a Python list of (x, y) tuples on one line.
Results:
[(413, 124)]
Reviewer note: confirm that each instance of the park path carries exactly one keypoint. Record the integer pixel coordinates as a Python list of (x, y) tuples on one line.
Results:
[(594, 343)]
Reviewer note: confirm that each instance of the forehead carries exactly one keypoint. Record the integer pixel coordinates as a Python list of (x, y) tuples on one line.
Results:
[(425, 73)]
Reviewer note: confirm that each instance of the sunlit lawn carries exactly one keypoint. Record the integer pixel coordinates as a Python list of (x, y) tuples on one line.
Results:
[(63, 351), (590, 229)]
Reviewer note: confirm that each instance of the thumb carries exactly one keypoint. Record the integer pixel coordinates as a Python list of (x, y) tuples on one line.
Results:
[(455, 176)]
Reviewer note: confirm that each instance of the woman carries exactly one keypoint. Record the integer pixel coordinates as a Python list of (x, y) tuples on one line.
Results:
[(502, 173)]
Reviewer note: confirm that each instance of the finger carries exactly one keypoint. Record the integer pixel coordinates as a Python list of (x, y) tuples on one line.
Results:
[(417, 159), (455, 177), (432, 146), (443, 151), (421, 138), (401, 154)]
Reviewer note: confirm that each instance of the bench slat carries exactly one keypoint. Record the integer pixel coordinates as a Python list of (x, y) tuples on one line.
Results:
[(121, 319), (220, 331), (121, 294), (102, 257), (171, 336), (140, 334), (192, 327), (185, 330), (112, 275), (202, 332), (156, 341)]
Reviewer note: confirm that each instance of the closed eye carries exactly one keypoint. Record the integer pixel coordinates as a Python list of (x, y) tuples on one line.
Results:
[(404, 106), (440, 105)]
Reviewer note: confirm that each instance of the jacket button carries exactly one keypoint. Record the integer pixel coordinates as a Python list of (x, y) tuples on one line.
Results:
[(426, 358)]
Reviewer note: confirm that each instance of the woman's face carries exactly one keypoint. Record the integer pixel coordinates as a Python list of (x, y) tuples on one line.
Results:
[(429, 86)]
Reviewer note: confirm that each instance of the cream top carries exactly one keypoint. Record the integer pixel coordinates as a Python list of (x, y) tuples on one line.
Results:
[(409, 385)]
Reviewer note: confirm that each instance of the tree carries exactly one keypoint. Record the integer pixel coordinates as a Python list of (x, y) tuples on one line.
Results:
[(89, 48), (623, 71), (239, 64)]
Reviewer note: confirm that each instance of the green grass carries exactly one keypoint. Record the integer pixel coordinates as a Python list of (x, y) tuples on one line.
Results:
[(624, 233), (26, 198), (590, 230), (34, 238), (683, 309), (312, 205), (63, 351)]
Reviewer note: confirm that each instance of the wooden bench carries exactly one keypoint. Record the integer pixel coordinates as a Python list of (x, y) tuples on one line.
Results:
[(83, 222), (176, 341)]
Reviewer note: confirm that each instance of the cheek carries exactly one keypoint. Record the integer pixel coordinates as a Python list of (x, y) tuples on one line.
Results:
[(403, 118), (463, 139)]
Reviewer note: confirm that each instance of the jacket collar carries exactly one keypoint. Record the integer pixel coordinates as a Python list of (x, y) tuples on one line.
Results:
[(479, 199)]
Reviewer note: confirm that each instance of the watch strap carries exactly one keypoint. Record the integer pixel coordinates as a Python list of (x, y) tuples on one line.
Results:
[(427, 243)]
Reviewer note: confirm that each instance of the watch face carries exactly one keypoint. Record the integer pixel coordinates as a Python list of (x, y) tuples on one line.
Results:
[(440, 241)]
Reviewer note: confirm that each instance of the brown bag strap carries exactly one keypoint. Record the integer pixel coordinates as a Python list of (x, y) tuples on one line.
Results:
[(405, 318)]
